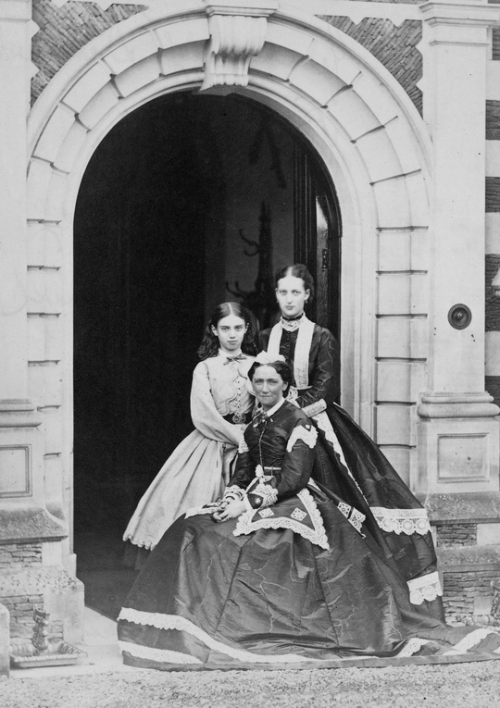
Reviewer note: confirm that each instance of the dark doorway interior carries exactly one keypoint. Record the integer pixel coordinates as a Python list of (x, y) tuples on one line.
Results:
[(188, 201)]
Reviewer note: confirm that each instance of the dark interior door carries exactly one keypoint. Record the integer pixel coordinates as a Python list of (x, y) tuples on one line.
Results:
[(318, 237)]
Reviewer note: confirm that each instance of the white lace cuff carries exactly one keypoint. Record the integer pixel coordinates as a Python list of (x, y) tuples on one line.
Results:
[(233, 493), (408, 521), (266, 492), (427, 587)]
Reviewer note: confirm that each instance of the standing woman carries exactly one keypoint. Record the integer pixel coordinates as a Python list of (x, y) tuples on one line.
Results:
[(349, 465), (221, 406)]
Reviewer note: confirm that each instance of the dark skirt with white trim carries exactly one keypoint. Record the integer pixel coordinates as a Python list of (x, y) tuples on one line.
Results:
[(208, 598)]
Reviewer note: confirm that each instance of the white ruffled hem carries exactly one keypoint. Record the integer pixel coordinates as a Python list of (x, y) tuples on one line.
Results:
[(166, 622)]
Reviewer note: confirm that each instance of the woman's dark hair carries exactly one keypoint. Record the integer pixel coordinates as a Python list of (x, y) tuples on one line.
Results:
[(281, 368), (210, 343), (297, 270)]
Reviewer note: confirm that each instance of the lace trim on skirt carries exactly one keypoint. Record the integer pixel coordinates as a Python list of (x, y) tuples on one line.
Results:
[(472, 640), (166, 622), (160, 655)]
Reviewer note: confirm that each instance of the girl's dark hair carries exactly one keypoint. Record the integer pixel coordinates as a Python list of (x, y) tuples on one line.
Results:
[(281, 368), (298, 270), (210, 343)]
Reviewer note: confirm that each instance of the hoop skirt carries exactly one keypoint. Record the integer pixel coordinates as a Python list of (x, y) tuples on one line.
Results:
[(296, 580)]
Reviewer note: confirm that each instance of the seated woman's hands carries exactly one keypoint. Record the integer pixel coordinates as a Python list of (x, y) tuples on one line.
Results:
[(232, 510)]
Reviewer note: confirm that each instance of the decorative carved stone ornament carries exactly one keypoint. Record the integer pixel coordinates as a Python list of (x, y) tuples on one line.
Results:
[(237, 33)]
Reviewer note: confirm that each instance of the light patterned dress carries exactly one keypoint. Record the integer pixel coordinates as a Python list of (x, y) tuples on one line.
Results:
[(198, 469)]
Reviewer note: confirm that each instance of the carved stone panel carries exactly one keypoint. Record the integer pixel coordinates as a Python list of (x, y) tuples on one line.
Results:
[(15, 476)]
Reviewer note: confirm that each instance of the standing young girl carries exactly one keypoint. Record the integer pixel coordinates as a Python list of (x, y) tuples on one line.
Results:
[(198, 469), (348, 463)]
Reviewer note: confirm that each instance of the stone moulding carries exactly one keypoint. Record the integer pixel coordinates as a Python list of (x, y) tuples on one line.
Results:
[(31, 523)]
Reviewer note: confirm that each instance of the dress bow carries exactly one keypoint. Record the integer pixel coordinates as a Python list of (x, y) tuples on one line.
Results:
[(240, 357)]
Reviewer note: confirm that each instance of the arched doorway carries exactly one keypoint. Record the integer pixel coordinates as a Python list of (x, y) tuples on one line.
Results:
[(338, 97), (190, 200)]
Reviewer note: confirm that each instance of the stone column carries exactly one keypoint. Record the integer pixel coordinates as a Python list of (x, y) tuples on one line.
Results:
[(458, 428), (30, 536), (21, 474), (14, 57)]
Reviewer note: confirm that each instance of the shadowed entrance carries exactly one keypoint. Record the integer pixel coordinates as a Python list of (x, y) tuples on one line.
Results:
[(188, 201)]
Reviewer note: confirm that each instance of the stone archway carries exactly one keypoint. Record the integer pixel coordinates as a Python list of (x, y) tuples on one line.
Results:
[(351, 110)]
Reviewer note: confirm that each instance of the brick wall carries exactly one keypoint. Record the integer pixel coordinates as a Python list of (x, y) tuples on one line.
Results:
[(395, 47), (492, 208), (64, 30)]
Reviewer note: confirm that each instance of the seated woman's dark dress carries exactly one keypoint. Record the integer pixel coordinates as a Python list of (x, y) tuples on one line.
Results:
[(297, 578), (350, 465)]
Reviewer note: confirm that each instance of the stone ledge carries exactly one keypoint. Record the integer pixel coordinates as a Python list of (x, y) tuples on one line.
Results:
[(464, 559), (479, 507), (24, 524)]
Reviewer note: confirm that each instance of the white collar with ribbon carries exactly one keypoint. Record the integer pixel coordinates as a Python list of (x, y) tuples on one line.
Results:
[(302, 349)]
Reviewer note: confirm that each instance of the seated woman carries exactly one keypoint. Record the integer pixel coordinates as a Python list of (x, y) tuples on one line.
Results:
[(277, 572)]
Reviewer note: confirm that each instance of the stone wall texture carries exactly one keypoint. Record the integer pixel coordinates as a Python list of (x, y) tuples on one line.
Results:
[(449, 535), (460, 590), (22, 623), (16, 556)]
